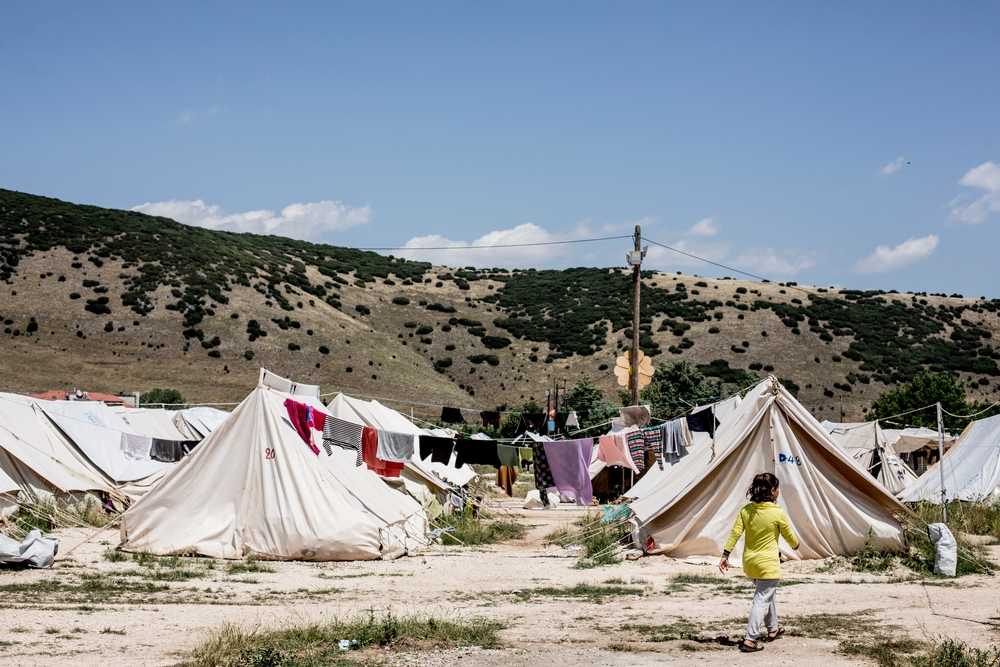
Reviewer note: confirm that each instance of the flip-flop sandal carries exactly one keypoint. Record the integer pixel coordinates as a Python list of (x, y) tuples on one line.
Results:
[(747, 648), (777, 634)]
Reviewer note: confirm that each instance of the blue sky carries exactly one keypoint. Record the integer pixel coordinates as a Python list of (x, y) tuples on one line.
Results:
[(761, 135)]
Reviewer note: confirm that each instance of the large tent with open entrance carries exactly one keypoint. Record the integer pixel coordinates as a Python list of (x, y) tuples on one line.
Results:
[(254, 488), (832, 504)]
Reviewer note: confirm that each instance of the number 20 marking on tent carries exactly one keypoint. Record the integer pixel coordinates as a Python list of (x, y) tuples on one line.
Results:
[(269, 454)]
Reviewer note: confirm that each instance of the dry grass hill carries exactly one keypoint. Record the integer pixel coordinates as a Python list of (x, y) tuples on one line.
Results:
[(117, 301)]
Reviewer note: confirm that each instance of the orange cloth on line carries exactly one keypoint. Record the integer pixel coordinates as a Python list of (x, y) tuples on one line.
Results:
[(369, 454), (506, 476)]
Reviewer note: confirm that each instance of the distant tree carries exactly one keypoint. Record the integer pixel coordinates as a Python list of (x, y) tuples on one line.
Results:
[(170, 397), (509, 424), (926, 390), (587, 399)]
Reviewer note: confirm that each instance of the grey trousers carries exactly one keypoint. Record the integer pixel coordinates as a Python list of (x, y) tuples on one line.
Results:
[(764, 609)]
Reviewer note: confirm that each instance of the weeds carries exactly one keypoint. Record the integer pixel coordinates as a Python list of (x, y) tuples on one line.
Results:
[(595, 594), (317, 644), (974, 518), (950, 653), (48, 514), (598, 538), (883, 649), (870, 559), (478, 530), (972, 558), (250, 565)]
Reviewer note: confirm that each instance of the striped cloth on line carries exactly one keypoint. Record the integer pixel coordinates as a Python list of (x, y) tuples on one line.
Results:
[(654, 440), (637, 448), (339, 433)]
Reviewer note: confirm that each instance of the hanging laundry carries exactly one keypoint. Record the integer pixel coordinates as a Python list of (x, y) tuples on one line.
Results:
[(532, 421), (703, 421), (301, 419), (438, 449), (343, 434), (613, 450), (637, 415), (573, 420), (135, 447), (569, 461), (396, 447), (543, 475), (506, 476), (317, 419), (490, 418), (478, 452), (527, 457), (654, 442), (508, 455), (369, 452), (637, 448), (168, 451), (674, 442), (452, 416)]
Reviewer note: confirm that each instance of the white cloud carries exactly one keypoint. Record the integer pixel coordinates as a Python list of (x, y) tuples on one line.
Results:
[(705, 227), (185, 117), (666, 260), (491, 254), (299, 221), (987, 177), (766, 262), (888, 259), (892, 167)]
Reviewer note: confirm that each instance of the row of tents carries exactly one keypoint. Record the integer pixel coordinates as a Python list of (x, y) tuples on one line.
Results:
[(251, 487)]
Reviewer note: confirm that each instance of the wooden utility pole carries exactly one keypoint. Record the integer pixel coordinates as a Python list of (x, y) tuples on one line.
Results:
[(636, 284)]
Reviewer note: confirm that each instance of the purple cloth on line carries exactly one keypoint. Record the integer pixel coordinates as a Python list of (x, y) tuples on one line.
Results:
[(569, 461)]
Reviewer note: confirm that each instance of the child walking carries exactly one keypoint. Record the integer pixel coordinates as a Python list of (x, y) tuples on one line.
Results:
[(762, 520)]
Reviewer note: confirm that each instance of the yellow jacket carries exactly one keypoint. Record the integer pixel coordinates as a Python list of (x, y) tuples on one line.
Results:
[(762, 523)]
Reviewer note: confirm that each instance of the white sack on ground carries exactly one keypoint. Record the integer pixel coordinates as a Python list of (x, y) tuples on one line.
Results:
[(945, 549), (35, 550), (830, 502)]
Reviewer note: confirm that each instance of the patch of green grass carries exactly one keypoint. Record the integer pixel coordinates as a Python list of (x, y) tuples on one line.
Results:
[(52, 631), (972, 558), (830, 626), (112, 631), (473, 531), (886, 651), (316, 644), (626, 647), (974, 518), (19, 629), (115, 556), (249, 566), (950, 653), (596, 594)]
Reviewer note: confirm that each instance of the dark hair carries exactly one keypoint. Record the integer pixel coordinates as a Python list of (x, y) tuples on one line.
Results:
[(762, 487)]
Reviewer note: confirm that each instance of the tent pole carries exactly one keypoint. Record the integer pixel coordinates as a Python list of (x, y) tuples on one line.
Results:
[(944, 499)]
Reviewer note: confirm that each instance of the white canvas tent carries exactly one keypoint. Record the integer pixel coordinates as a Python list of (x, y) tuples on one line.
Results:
[(907, 440), (252, 487), (197, 423), (866, 443), (27, 437), (151, 422), (971, 468), (97, 432), (831, 503)]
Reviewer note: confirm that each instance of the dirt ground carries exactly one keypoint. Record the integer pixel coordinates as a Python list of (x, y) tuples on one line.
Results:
[(90, 611)]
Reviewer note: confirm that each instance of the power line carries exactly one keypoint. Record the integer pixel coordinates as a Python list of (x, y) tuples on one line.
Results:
[(708, 261), (502, 245)]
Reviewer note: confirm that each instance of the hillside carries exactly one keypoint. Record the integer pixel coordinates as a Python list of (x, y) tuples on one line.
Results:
[(113, 300)]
